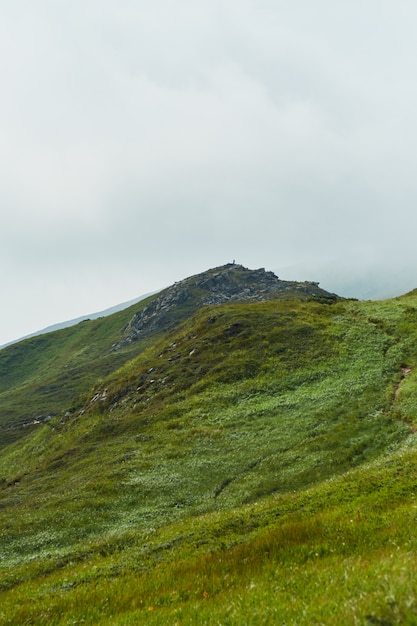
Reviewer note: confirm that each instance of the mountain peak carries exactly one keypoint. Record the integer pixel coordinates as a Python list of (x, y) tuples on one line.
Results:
[(227, 283)]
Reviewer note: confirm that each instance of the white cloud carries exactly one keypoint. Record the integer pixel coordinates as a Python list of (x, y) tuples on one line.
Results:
[(141, 142)]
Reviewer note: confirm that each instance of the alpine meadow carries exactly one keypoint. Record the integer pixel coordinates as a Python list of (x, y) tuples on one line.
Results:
[(234, 450)]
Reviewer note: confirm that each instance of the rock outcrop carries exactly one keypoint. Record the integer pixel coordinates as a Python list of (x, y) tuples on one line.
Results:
[(223, 284)]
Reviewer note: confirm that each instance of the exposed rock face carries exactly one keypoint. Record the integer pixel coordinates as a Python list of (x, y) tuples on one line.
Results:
[(227, 283)]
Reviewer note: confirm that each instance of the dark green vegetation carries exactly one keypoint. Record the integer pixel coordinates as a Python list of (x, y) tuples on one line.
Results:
[(254, 464)]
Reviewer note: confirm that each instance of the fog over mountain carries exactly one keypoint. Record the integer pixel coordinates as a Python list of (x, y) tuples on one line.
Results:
[(145, 142)]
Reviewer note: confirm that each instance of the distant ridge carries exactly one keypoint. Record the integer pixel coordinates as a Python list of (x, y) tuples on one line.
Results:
[(77, 320)]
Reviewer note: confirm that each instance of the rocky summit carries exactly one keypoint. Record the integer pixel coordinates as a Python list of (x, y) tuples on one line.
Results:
[(230, 282)]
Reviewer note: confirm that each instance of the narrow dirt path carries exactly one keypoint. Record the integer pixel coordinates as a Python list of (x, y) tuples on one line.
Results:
[(406, 371)]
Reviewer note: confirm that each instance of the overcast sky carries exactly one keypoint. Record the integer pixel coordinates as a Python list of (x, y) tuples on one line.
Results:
[(141, 142)]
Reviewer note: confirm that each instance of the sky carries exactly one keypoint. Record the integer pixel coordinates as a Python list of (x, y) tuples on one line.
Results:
[(143, 142)]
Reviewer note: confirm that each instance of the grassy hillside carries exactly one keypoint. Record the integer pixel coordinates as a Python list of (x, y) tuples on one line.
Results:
[(256, 464), (45, 375)]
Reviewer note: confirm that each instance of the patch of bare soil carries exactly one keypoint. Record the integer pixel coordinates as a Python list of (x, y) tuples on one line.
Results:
[(406, 371)]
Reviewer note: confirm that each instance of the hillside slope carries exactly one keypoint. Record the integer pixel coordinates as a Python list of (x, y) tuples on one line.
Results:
[(44, 376), (254, 463), (78, 320)]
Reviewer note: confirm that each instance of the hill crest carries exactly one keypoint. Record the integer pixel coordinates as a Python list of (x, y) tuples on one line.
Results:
[(220, 285)]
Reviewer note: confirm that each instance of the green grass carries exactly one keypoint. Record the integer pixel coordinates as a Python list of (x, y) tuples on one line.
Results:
[(45, 375), (254, 465), (341, 552)]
